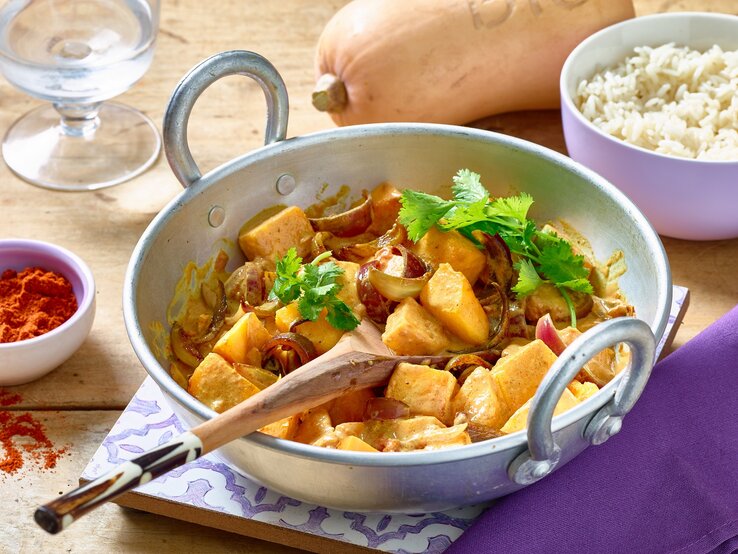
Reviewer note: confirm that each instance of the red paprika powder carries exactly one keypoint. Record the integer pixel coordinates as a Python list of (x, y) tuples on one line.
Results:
[(33, 302), (21, 437)]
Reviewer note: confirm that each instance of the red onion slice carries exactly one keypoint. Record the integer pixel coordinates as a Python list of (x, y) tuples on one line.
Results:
[(396, 288), (546, 331), (219, 315), (346, 224), (386, 408), (285, 352)]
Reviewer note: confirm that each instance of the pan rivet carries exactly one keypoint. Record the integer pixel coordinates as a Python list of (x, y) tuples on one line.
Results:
[(216, 216), (286, 184)]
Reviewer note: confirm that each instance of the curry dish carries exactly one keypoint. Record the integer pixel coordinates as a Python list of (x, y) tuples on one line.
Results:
[(470, 277)]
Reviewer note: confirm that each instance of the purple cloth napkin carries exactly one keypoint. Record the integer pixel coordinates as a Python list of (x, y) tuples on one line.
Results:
[(668, 482)]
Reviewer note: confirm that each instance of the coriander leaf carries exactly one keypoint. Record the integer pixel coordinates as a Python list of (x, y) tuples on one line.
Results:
[(341, 317), (420, 211), (515, 207), (286, 286), (465, 215), (528, 278), (559, 264), (468, 188), (309, 308), (577, 285), (314, 287)]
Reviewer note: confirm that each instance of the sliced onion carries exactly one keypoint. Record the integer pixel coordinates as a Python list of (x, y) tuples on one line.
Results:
[(346, 224), (386, 408), (378, 307), (246, 283), (547, 332), (317, 246), (459, 364), (396, 288), (267, 309), (360, 252), (285, 352), (218, 318), (499, 261), (183, 347)]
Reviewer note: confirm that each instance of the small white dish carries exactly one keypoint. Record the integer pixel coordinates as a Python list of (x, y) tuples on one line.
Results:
[(26, 360)]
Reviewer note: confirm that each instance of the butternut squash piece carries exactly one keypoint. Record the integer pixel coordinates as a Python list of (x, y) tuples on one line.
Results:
[(437, 246), (321, 333), (450, 298), (426, 390), (283, 429), (272, 238), (218, 385), (519, 420), (350, 406), (247, 333), (481, 400), (316, 428), (450, 61), (412, 330), (356, 444), (349, 292), (519, 374), (584, 390)]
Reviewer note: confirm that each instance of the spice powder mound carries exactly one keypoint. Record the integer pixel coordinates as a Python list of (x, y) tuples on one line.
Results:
[(23, 437), (33, 302)]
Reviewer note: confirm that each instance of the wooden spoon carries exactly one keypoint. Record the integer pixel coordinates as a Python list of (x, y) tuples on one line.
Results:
[(359, 360)]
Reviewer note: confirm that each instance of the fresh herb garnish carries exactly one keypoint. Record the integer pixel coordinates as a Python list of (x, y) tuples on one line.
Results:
[(315, 287), (541, 257)]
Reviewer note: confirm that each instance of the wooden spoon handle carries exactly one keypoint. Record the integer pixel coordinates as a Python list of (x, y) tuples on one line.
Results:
[(312, 385), (61, 512)]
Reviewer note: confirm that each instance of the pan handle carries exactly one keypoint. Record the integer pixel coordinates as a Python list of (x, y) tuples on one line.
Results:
[(200, 77), (543, 453)]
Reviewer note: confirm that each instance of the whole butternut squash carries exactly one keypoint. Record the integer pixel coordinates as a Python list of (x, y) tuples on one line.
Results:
[(450, 61)]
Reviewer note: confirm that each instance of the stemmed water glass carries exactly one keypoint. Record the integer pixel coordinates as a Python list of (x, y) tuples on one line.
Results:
[(77, 54)]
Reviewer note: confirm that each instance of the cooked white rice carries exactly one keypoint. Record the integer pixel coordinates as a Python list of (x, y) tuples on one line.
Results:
[(670, 99)]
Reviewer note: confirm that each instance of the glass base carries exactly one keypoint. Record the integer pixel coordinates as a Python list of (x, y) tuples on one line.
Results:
[(124, 144)]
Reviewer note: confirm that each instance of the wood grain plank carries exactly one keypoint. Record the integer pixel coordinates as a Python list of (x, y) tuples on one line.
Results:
[(111, 528)]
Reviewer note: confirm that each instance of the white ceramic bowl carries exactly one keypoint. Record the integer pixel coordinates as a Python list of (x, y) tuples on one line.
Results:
[(682, 198), (26, 360)]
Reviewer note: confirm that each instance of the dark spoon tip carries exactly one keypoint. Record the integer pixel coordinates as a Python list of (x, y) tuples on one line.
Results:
[(47, 520)]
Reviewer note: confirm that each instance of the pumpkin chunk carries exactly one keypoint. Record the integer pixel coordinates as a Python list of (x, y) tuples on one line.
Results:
[(412, 330), (437, 246), (356, 444), (481, 400), (283, 429), (321, 333), (246, 334), (450, 298), (426, 390), (519, 420), (519, 374), (218, 385), (272, 238)]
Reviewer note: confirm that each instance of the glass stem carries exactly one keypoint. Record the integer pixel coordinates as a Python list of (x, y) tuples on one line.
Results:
[(78, 120)]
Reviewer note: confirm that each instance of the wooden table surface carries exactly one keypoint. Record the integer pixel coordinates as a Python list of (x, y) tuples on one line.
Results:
[(80, 401)]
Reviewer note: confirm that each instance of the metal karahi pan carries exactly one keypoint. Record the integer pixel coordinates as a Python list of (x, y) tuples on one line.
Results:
[(422, 156)]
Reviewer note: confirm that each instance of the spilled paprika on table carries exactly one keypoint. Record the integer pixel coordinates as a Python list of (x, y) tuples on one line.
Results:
[(23, 437), (33, 302)]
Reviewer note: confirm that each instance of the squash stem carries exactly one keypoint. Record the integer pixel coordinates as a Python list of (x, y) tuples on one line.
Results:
[(330, 94)]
